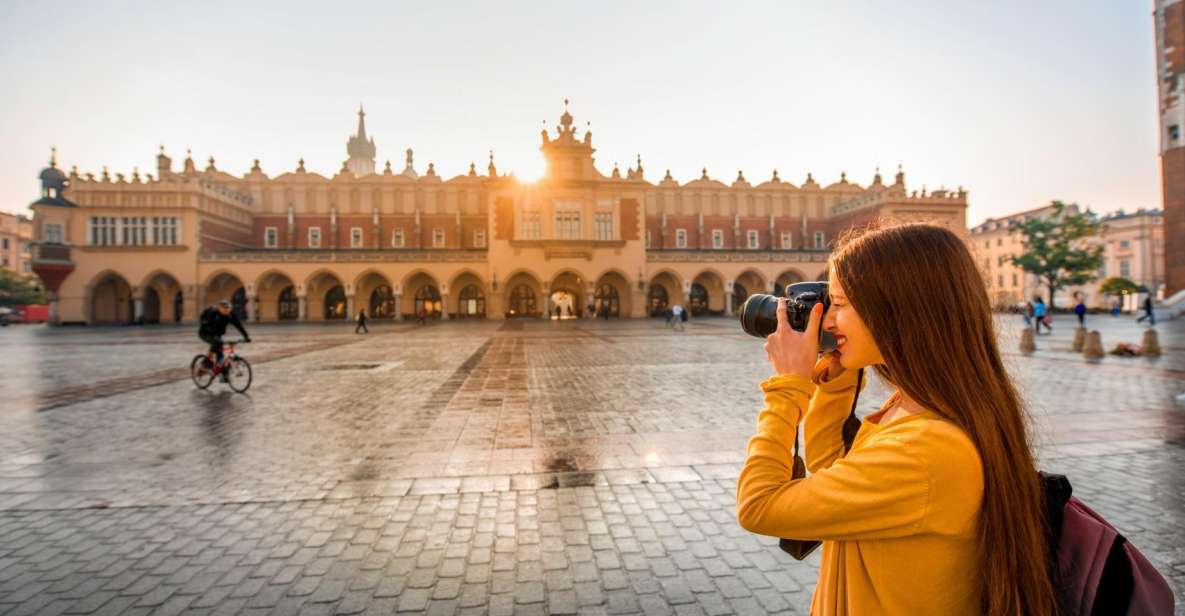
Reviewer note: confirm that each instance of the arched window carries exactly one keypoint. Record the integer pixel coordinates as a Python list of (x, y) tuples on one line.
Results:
[(288, 306), (522, 302), (658, 300), (698, 299), (471, 303), (335, 303), (382, 303), (428, 299), (606, 299)]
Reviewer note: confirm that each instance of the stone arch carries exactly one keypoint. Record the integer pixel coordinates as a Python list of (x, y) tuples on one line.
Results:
[(326, 296), (749, 282), (159, 291), (278, 296), (787, 278), (467, 295), (421, 290), (566, 295), (611, 294), (707, 293), (665, 290), (374, 293), (109, 299), (523, 295), (224, 285)]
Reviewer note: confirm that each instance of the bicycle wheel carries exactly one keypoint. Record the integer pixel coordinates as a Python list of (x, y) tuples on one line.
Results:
[(238, 375), (202, 377)]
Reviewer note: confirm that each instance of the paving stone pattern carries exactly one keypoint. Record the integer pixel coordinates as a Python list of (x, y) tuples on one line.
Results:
[(472, 467)]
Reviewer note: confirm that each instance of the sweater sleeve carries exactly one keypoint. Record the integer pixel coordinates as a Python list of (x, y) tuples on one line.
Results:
[(823, 426), (879, 490)]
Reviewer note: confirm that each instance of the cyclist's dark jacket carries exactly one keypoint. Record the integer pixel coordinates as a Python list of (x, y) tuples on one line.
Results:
[(214, 323)]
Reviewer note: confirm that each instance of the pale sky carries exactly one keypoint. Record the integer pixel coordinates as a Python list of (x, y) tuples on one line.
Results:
[(1021, 102)]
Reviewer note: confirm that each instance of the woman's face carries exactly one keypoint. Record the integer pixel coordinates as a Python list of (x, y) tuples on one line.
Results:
[(855, 344)]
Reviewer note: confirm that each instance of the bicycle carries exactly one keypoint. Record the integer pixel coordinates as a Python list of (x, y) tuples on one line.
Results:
[(234, 370)]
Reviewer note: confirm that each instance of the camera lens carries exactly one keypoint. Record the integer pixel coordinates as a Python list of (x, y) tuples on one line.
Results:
[(759, 315)]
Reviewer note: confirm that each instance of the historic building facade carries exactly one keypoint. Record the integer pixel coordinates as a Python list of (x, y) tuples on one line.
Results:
[(1169, 25), (16, 237), (303, 246)]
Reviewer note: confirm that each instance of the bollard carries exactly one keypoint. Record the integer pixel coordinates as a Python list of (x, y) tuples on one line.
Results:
[(1150, 345), (1028, 343), (1094, 345), (1079, 340)]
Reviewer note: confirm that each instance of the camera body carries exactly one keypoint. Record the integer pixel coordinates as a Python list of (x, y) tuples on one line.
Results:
[(759, 315)]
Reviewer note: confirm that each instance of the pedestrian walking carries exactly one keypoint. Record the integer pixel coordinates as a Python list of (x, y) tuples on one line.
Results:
[(1148, 314), (1028, 314), (421, 316), (1041, 316), (361, 322), (592, 311), (1115, 307), (678, 317), (1080, 310), (669, 313)]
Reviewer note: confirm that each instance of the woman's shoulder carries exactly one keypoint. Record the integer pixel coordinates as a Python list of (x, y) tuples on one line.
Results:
[(938, 443)]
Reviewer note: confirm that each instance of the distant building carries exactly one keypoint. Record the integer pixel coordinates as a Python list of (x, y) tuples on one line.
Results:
[(16, 237), (1134, 248), (302, 246), (1169, 24)]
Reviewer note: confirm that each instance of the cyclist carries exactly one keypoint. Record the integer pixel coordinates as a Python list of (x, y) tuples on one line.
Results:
[(213, 326)]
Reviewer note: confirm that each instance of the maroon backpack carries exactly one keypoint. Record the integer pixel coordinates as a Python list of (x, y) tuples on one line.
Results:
[(1098, 572)]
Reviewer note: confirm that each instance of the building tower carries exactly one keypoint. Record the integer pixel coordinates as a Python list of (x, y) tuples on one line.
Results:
[(360, 149), (1169, 22)]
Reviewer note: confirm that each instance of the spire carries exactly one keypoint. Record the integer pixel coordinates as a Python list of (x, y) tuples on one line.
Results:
[(409, 164), (900, 179), (361, 123), (491, 169), (360, 149), (775, 178), (639, 165), (53, 156)]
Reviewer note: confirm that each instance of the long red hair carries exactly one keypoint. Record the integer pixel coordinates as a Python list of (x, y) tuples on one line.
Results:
[(917, 288)]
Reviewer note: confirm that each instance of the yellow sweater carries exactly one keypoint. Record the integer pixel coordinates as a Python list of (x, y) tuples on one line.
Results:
[(897, 515)]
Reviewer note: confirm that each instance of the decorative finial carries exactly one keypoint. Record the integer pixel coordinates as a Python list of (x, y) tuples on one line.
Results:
[(300, 165), (255, 167), (210, 165), (472, 169), (53, 156), (387, 168), (106, 177), (843, 177), (776, 178), (491, 169), (616, 172), (565, 104), (740, 175), (704, 174), (136, 175), (431, 168), (809, 178), (668, 176)]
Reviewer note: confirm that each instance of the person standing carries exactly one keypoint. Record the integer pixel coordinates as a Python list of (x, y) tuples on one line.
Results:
[(1148, 314), (361, 322), (421, 316), (1041, 316), (1028, 313), (1080, 310), (1115, 307), (677, 317)]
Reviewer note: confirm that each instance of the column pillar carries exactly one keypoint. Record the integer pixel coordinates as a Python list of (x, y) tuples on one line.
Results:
[(444, 306), (52, 298), (350, 314), (253, 309), (398, 307), (303, 308), (137, 304), (546, 305), (727, 303)]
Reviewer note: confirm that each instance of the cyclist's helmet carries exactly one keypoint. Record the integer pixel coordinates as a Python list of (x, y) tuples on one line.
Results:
[(223, 304)]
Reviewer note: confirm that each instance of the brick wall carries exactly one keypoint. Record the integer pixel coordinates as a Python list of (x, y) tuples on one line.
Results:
[(1173, 173)]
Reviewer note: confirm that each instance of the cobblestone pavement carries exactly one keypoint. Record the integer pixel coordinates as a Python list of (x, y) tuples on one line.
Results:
[(472, 467)]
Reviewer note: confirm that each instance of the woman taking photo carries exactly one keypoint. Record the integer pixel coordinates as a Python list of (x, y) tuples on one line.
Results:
[(937, 507)]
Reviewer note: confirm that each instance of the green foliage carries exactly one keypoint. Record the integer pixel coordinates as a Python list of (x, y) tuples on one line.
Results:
[(1118, 285), (17, 290), (1057, 250)]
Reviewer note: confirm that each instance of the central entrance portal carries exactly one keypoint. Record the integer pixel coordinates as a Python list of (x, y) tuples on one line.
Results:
[(566, 299)]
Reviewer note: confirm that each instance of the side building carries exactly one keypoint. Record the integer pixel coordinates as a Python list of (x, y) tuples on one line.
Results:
[(16, 239), (1169, 26), (303, 246)]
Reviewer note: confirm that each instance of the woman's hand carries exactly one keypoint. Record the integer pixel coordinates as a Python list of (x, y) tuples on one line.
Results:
[(828, 370), (794, 352)]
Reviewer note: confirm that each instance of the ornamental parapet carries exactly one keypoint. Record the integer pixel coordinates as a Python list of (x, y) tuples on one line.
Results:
[(345, 256), (737, 256)]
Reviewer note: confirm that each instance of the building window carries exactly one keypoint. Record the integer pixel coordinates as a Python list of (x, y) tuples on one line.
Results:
[(1124, 244), (717, 239), (270, 237), (479, 238), (648, 239), (1014, 280), (754, 243), (987, 243), (438, 238), (1000, 281), (356, 237), (1000, 261), (314, 237), (53, 233), (164, 230), (102, 231), (999, 241), (820, 240), (397, 238), (604, 221), (1174, 132), (1125, 268), (680, 238), (530, 226), (787, 240), (567, 224), (4, 244), (135, 230)]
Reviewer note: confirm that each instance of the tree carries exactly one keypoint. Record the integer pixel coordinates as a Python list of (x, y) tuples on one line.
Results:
[(1118, 285), (1057, 249), (16, 290)]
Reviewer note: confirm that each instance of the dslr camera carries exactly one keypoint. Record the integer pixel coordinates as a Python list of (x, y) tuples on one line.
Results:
[(759, 315)]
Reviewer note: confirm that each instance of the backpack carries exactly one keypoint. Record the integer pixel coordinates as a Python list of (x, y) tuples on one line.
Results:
[(1097, 570)]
